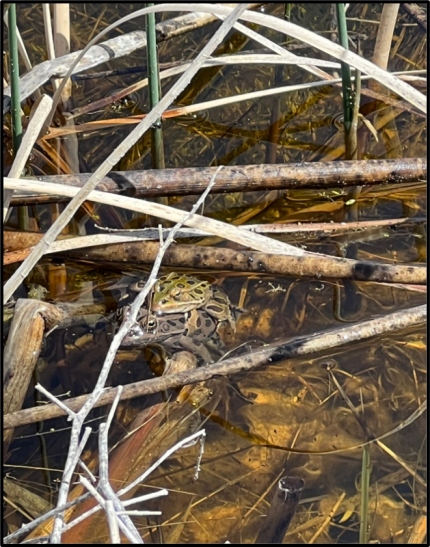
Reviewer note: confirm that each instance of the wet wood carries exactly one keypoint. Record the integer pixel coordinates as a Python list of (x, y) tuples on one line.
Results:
[(282, 509), (217, 258), (417, 13), (419, 531), (72, 313), (16, 256), (22, 351), (242, 178), (274, 353), (18, 245), (16, 241), (32, 503)]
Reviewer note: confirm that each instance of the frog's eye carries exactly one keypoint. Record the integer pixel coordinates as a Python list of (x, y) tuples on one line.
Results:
[(152, 324), (164, 301)]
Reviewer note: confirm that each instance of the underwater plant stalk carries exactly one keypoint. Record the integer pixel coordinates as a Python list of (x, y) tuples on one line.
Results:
[(281, 510), (276, 116), (157, 145), (346, 71), (364, 505)]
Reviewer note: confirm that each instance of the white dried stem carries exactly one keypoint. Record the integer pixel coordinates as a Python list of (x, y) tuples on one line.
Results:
[(40, 111), (146, 497), (216, 227), (384, 38), (49, 38), (57, 401), (188, 441), (62, 40), (112, 521), (102, 503)]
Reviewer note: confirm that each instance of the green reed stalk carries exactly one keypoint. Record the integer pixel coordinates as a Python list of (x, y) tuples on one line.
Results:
[(364, 506), (154, 87), (346, 71), (14, 80)]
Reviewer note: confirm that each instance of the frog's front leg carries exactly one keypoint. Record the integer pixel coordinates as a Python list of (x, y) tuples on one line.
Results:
[(219, 307), (192, 322)]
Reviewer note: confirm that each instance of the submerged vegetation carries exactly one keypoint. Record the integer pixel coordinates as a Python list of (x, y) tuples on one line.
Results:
[(214, 263)]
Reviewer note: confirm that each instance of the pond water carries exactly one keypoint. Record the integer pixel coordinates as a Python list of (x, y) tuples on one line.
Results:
[(289, 404)]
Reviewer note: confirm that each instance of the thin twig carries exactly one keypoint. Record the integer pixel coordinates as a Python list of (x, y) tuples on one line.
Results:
[(104, 486), (106, 489), (102, 504), (328, 518), (112, 521), (101, 381), (26, 528)]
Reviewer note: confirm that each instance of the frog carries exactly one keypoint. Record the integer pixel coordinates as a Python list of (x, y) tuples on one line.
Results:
[(175, 293), (194, 331)]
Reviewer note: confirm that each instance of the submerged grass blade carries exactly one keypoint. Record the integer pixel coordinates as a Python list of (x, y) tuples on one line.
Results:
[(364, 506)]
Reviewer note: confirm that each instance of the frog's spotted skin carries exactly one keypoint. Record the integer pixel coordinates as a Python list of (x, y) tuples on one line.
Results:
[(180, 293), (194, 331), (185, 314), (175, 293)]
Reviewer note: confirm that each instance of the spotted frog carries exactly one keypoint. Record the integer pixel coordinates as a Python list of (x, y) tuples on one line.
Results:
[(175, 293), (194, 331)]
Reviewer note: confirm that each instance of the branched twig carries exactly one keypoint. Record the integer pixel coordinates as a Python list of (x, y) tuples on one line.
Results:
[(104, 485), (79, 418), (188, 441)]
